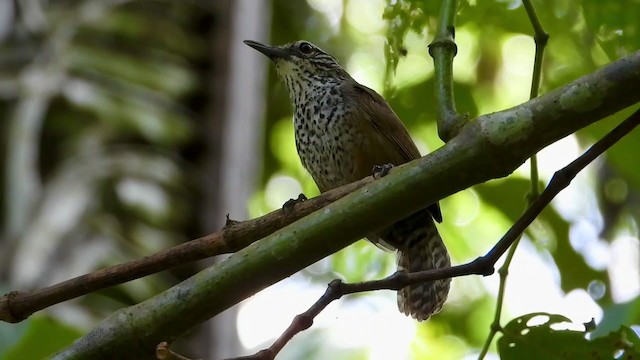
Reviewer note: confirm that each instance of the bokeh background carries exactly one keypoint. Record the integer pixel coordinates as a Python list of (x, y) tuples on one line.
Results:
[(130, 126)]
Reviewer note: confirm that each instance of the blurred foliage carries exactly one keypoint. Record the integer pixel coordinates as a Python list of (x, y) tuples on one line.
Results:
[(576, 273), (315, 348), (100, 104)]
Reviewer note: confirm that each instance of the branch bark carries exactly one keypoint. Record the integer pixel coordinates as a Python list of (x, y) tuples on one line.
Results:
[(488, 147)]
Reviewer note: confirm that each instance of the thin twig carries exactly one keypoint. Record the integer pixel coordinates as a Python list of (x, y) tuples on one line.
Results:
[(481, 266), (18, 305), (163, 352), (541, 38)]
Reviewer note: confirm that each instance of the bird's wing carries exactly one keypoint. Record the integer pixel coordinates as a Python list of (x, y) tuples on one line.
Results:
[(385, 122), (393, 143)]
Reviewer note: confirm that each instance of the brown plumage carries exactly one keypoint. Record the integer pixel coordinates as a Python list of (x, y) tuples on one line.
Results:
[(344, 129)]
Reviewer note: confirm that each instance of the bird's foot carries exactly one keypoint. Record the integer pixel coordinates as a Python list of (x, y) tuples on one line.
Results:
[(380, 171), (292, 202)]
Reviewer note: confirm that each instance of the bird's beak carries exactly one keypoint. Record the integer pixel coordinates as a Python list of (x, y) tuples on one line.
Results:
[(273, 52)]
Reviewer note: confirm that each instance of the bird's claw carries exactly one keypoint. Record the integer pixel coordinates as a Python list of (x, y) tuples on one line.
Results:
[(380, 171)]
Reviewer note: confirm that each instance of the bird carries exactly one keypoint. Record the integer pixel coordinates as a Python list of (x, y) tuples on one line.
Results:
[(343, 130)]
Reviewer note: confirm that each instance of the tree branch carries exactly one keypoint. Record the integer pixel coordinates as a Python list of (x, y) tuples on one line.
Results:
[(488, 147), (18, 305), (443, 49), (480, 266)]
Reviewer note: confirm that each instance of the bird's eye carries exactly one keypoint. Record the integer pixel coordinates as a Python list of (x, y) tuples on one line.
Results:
[(305, 48)]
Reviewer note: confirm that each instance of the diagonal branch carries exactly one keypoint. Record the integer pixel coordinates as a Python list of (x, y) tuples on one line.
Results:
[(18, 305), (481, 266)]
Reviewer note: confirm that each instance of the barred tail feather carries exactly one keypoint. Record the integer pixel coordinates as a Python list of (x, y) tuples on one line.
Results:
[(422, 249)]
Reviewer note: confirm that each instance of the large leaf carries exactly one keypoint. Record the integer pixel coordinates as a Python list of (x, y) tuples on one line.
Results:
[(524, 340), (616, 315)]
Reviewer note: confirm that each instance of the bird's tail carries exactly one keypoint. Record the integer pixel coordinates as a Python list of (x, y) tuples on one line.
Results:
[(421, 249)]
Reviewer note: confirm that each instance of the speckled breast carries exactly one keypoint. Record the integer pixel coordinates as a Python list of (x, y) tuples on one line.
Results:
[(325, 138)]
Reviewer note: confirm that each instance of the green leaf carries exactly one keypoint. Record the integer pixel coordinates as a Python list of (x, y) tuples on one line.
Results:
[(524, 340), (48, 334), (616, 315)]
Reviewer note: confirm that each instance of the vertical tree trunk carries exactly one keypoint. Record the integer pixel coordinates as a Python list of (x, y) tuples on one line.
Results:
[(233, 135)]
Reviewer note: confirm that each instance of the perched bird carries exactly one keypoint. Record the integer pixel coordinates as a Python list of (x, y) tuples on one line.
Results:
[(342, 130)]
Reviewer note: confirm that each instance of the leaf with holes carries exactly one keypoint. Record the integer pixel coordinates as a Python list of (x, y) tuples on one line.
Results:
[(526, 338)]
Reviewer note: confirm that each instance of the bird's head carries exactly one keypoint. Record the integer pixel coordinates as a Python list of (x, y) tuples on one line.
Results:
[(301, 62)]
